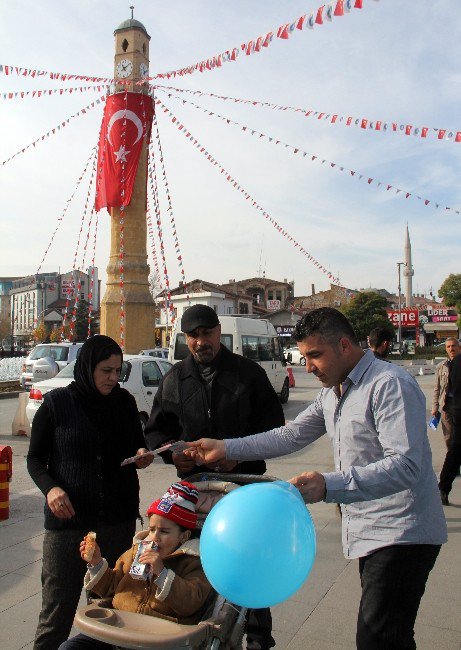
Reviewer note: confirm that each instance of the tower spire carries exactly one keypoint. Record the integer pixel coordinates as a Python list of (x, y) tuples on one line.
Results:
[(132, 11), (408, 271)]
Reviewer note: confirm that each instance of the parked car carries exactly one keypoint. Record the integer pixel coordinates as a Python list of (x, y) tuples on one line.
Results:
[(140, 376), (161, 353), (61, 353), (294, 356)]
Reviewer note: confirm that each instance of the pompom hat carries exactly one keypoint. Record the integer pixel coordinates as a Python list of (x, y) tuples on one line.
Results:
[(177, 504)]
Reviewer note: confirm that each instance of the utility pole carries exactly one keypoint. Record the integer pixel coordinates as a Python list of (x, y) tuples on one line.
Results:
[(399, 264)]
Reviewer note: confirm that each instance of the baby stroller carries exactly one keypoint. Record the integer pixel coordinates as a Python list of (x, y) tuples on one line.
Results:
[(223, 625)]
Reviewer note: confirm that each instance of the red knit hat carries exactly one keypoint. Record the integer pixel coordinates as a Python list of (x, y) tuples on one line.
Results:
[(177, 504)]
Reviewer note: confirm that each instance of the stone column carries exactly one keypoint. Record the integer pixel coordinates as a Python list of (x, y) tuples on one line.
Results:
[(139, 305)]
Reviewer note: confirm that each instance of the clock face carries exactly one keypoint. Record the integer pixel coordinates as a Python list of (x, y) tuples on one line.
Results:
[(143, 70), (124, 68)]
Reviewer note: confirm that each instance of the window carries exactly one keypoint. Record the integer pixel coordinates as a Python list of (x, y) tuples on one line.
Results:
[(125, 45), (243, 308), (278, 295), (151, 374), (270, 295), (54, 351), (165, 366), (261, 348), (226, 340)]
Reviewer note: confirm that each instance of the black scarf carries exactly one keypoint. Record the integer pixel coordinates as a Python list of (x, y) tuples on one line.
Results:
[(95, 349)]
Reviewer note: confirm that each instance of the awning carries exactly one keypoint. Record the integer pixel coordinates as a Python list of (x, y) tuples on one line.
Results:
[(441, 327)]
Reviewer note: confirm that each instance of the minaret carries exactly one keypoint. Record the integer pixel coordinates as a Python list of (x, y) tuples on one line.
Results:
[(131, 63), (408, 271)]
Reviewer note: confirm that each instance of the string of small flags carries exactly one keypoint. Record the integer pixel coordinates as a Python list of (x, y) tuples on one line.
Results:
[(80, 272), (150, 231), (321, 15), (58, 127), (334, 118), (373, 182), (324, 13), (91, 289), (91, 158), (74, 264), (187, 134), (122, 233), (152, 178), (24, 94), (174, 228)]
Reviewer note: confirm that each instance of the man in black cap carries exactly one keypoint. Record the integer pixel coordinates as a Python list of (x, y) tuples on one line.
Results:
[(214, 393)]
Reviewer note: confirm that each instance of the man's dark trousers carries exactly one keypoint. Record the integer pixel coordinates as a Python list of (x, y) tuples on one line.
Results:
[(393, 583)]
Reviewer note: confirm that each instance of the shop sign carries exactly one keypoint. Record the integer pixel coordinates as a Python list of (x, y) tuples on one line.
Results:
[(273, 305), (409, 317), (438, 315), (284, 330)]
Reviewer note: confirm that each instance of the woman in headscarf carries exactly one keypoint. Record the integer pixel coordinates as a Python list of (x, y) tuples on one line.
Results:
[(80, 435)]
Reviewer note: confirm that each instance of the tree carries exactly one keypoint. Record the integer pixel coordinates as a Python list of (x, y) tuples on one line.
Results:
[(450, 290), (5, 330), (366, 311), (55, 335), (40, 332), (81, 321)]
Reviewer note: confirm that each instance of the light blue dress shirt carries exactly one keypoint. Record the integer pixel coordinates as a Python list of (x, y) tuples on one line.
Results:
[(383, 463)]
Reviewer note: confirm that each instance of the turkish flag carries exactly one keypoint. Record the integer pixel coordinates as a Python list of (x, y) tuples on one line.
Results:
[(126, 127)]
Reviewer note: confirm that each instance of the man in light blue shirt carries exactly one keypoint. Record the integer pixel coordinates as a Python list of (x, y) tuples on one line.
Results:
[(375, 416)]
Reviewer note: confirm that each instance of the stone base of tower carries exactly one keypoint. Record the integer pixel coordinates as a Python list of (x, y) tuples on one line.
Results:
[(139, 318)]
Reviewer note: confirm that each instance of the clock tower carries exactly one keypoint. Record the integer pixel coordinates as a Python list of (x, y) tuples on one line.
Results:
[(131, 63)]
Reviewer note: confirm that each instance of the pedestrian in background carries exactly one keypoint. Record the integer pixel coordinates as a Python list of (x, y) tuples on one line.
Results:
[(450, 469), (443, 395), (80, 435), (380, 341)]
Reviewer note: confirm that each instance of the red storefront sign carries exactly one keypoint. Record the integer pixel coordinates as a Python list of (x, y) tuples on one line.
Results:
[(409, 317)]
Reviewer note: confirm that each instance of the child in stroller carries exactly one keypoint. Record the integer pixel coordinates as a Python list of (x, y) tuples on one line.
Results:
[(172, 586), (221, 626)]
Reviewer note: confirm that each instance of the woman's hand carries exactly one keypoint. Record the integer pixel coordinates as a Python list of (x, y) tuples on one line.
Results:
[(207, 450), (59, 503), (153, 558), (141, 463), (97, 557)]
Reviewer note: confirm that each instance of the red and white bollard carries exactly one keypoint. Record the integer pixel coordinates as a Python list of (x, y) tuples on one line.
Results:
[(6, 473)]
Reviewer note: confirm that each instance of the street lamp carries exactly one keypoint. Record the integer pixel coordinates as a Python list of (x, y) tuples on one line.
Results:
[(399, 264)]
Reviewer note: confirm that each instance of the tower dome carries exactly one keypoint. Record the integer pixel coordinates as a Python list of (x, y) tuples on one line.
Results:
[(130, 23)]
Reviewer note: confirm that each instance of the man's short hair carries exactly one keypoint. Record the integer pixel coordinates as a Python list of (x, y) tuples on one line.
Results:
[(326, 322), (378, 335)]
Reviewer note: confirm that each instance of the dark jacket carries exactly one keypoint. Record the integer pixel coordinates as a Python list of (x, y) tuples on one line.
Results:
[(243, 402), (70, 449)]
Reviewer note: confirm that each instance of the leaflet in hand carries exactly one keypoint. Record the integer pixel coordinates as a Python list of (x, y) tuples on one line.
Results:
[(176, 447), (434, 421)]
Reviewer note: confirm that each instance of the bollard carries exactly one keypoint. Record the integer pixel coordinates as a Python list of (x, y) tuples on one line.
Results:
[(20, 425), (291, 379), (6, 472)]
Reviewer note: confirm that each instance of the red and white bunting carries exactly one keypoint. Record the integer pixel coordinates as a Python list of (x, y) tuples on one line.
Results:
[(35, 94), (91, 158), (174, 228), (315, 157), (335, 8), (153, 185), (203, 150), (91, 289), (71, 288), (57, 128), (380, 126)]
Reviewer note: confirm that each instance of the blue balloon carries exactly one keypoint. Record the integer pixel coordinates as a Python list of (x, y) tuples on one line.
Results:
[(258, 544)]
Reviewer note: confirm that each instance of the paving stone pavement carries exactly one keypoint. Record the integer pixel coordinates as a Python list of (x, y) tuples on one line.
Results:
[(322, 614)]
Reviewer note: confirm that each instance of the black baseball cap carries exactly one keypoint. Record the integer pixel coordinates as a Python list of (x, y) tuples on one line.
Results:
[(198, 316)]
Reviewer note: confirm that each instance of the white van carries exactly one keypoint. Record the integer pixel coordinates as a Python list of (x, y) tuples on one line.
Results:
[(253, 338)]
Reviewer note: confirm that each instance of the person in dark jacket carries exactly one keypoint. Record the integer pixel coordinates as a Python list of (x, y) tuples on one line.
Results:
[(80, 435), (452, 461), (216, 393)]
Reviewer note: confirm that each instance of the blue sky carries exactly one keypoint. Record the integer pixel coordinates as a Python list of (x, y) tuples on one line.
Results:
[(393, 60)]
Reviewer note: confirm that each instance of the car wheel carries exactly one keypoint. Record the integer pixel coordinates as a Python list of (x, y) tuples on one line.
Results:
[(143, 420), (285, 392), (302, 361)]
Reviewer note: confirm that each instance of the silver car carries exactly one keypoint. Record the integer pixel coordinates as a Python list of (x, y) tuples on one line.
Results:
[(61, 353)]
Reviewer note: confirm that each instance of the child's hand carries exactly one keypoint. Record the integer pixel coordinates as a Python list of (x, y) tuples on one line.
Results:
[(97, 557), (153, 558)]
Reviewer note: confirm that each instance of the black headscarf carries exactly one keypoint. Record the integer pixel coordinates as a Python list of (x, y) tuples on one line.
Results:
[(95, 349)]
